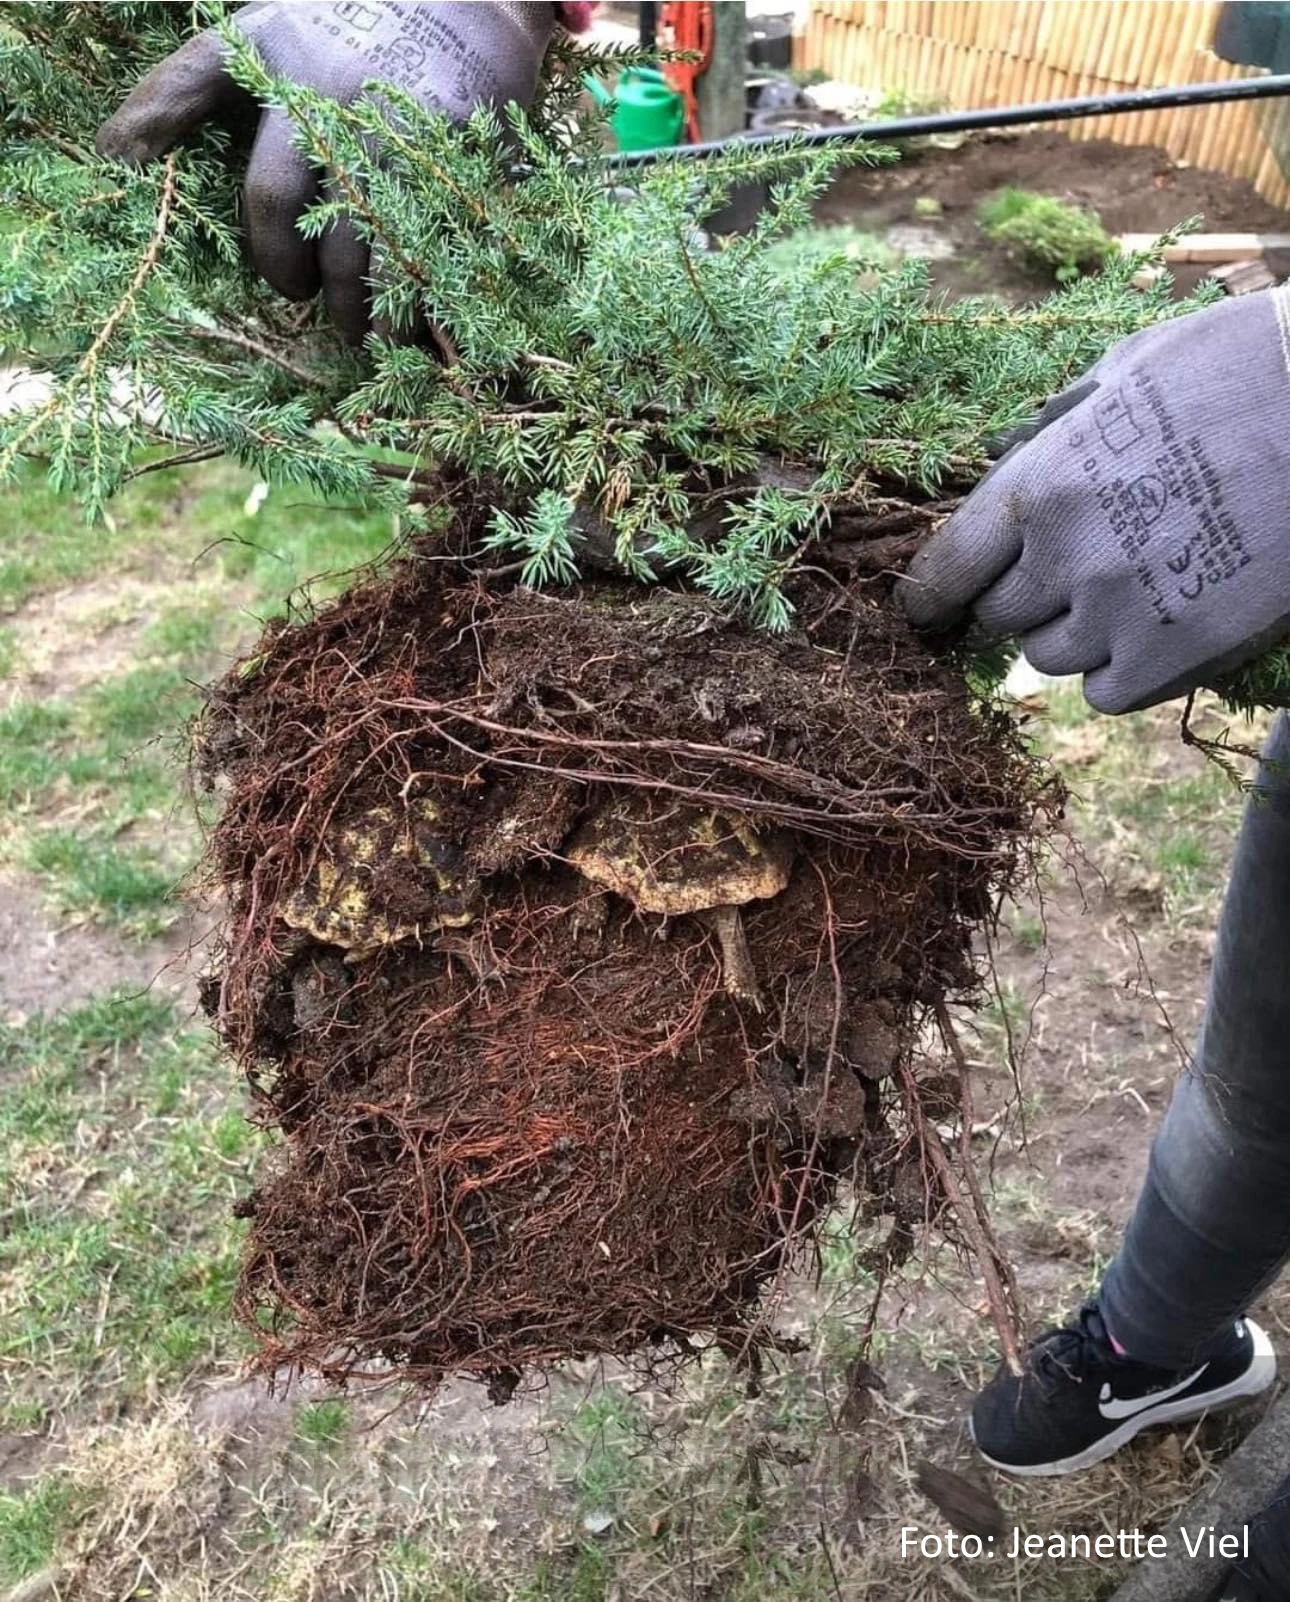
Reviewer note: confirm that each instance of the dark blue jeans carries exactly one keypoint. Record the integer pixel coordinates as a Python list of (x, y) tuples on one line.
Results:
[(1211, 1228)]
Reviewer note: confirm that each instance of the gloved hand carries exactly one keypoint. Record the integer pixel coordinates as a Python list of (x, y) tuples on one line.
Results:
[(1140, 534), (451, 57)]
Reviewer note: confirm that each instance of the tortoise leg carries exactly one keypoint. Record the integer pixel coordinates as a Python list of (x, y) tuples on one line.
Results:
[(736, 959)]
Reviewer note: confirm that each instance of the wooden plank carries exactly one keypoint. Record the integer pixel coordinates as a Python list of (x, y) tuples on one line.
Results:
[(1034, 34), (1182, 58), (805, 44), (1210, 247), (878, 55), (824, 58), (1243, 277), (1149, 71), (853, 55), (1193, 134), (998, 79), (1065, 33), (1252, 141), (971, 73), (1270, 124), (1032, 88), (1096, 17), (1237, 140), (1209, 125), (967, 75), (1140, 56), (923, 68), (900, 63), (842, 62), (980, 66), (1083, 128), (1123, 128), (957, 81), (1268, 171), (1171, 133), (843, 41), (984, 24), (929, 49), (1073, 41), (1225, 153), (1008, 28), (1001, 79), (1106, 62)]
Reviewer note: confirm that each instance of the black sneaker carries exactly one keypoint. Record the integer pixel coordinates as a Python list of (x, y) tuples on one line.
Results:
[(1078, 1401), (1265, 1575)]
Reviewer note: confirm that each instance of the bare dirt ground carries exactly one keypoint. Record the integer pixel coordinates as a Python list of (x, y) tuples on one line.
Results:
[(1133, 190), (136, 1461), (51, 965)]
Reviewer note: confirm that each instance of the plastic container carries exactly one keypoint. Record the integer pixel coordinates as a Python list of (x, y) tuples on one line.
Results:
[(648, 113)]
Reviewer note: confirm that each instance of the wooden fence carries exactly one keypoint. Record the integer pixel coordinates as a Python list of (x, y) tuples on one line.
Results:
[(1001, 52)]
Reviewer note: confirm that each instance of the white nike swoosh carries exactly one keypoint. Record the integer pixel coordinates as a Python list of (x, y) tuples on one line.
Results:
[(1114, 1407)]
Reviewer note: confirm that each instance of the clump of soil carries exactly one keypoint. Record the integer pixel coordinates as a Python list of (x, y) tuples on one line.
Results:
[(578, 945)]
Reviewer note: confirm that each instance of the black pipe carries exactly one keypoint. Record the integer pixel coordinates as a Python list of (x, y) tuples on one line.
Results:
[(1190, 94)]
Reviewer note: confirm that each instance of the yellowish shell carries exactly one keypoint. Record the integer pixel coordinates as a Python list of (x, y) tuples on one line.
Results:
[(676, 859), (344, 905)]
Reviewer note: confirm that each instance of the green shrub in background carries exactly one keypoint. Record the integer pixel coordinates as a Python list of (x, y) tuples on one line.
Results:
[(904, 103), (1047, 233)]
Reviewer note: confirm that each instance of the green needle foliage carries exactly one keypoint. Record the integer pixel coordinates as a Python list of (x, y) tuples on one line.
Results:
[(594, 370)]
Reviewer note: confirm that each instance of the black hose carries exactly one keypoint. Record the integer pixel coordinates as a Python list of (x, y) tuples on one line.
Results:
[(1189, 94)]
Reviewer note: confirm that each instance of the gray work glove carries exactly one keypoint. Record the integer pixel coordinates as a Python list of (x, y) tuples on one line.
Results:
[(1140, 533), (451, 57)]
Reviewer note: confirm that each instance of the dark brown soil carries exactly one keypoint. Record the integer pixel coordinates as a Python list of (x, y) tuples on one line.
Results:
[(1135, 189), (547, 1123)]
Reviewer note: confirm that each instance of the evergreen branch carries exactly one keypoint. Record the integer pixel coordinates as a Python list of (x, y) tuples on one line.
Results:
[(254, 347), (1107, 318), (200, 453), (57, 141), (266, 353), (89, 362), (587, 360), (404, 475), (688, 265)]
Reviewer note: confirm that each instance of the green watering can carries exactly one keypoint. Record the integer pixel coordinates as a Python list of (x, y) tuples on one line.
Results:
[(648, 113)]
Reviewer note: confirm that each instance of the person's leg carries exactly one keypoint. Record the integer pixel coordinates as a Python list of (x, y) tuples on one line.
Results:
[(1164, 1339), (1212, 1225)]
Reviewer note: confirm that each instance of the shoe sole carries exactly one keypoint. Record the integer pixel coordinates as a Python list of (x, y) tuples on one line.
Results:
[(1256, 1379)]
